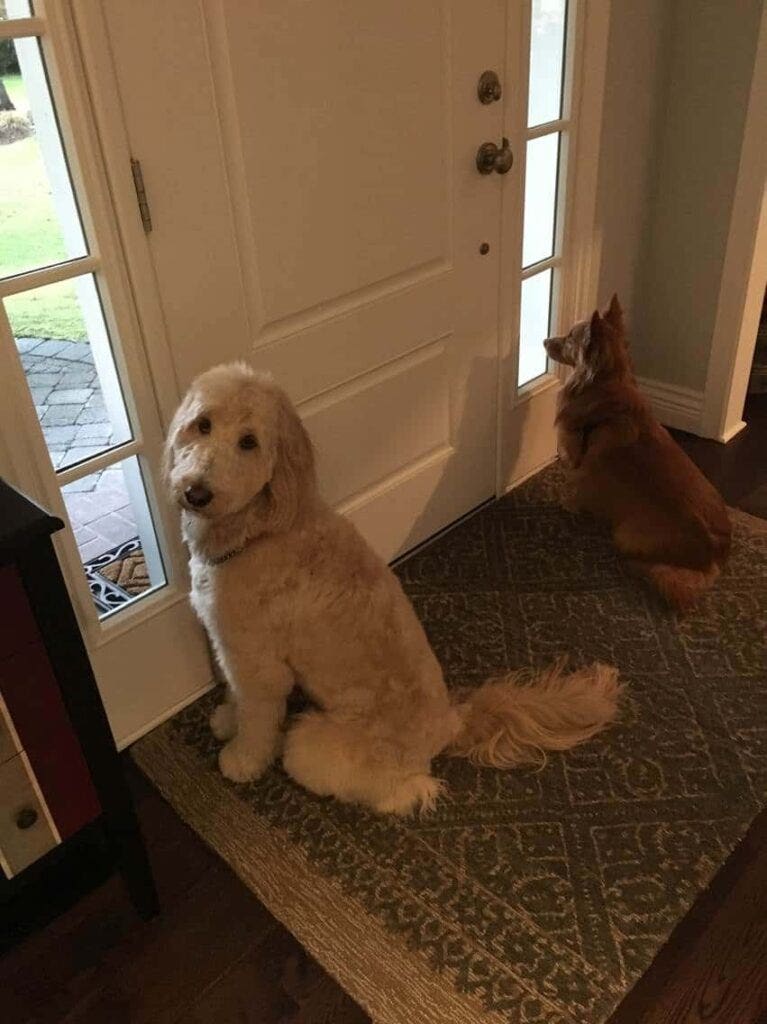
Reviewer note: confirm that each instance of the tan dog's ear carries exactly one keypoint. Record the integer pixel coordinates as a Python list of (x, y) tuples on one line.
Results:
[(293, 477), (166, 461), (594, 350), (594, 332), (605, 354), (614, 314)]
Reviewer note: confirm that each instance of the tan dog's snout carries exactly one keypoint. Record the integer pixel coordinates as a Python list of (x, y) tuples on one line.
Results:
[(197, 495), (553, 347)]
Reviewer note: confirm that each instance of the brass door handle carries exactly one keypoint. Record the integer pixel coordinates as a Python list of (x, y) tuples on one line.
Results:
[(490, 158)]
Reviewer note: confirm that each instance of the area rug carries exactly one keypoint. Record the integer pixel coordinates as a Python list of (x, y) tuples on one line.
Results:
[(527, 897)]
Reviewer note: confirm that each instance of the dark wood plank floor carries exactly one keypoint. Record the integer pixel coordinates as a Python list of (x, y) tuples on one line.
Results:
[(738, 469), (216, 956)]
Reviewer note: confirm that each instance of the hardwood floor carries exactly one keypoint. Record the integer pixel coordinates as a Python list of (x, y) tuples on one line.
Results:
[(738, 469), (216, 956), (713, 970)]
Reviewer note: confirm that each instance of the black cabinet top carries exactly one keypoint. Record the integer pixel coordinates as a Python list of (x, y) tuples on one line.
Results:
[(21, 522)]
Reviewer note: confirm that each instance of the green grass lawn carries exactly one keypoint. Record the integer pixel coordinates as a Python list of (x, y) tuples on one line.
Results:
[(15, 88), (31, 238)]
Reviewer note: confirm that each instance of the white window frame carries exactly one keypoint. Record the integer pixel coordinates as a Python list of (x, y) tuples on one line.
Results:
[(24, 458), (575, 260)]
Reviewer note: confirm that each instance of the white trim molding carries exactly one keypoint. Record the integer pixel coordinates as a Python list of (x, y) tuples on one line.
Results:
[(675, 406)]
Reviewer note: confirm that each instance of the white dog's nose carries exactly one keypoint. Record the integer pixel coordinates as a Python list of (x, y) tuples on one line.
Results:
[(198, 495)]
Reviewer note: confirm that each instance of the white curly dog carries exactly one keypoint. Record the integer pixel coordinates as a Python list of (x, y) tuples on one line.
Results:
[(289, 592)]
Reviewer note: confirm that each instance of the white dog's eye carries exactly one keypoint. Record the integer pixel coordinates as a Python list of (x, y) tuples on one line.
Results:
[(204, 425), (247, 442)]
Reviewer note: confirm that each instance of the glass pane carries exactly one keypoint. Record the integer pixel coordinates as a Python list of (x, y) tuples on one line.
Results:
[(534, 326), (113, 528), (39, 220), (64, 347), (547, 47), (13, 9), (540, 198)]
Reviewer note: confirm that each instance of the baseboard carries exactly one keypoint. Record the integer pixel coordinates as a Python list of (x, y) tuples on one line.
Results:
[(730, 432), (675, 406), (127, 741)]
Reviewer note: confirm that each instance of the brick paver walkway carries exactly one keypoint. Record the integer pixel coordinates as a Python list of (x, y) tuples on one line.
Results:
[(67, 395)]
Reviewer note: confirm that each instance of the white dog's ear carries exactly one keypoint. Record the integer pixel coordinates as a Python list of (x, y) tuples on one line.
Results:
[(293, 476), (166, 462)]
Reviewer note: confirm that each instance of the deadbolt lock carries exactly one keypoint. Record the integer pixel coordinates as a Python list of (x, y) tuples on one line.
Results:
[(489, 88)]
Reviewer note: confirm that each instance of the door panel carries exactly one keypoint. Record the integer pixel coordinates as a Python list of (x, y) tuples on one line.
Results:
[(339, 133), (347, 135), (411, 396)]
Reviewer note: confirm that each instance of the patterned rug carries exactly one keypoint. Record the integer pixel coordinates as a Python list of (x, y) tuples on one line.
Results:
[(528, 897), (117, 576)]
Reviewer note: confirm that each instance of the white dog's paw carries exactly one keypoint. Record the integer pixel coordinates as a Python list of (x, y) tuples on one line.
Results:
[(223, 721), (241, 763)]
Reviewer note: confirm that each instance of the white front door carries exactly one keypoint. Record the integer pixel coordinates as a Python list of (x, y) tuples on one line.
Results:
[(316, 209)]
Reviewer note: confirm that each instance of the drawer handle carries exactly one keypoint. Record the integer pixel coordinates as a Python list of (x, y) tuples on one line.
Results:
[(26, 817)]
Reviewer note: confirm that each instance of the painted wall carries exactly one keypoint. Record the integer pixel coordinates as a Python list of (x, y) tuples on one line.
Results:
[(634, 89), (678, 199)]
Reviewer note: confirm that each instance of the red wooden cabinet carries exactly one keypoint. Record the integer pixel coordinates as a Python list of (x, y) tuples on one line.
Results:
[(65, 811), (36, 718)]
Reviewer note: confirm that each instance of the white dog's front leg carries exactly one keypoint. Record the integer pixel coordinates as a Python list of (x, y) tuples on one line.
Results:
[(260, 711), (223, 720)]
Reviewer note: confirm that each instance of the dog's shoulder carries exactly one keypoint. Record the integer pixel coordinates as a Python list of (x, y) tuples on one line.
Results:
[(600, 403)]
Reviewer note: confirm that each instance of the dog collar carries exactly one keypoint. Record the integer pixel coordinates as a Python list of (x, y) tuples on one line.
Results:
[(220, 559), (227, 555)]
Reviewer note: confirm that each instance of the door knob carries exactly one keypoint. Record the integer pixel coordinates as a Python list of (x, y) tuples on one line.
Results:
[(490, 158)]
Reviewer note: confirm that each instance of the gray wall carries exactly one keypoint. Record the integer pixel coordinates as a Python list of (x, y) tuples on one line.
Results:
[(679, 76), (634, 86)]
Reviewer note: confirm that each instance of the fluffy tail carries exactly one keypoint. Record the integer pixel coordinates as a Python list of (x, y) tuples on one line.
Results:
[(681, 587), (515, 720)]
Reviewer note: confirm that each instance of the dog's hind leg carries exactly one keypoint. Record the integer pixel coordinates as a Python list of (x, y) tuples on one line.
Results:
[(679, 586), (340, 759)]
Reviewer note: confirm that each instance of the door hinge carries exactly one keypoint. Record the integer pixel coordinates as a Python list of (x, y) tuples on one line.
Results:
[(143, 203)]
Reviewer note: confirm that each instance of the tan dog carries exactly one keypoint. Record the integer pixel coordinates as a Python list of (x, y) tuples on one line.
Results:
[(289, 591), (665, 516)]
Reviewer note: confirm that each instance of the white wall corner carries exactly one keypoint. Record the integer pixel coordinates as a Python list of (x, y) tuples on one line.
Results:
[(744, 274), (675, 406), (584, 250)]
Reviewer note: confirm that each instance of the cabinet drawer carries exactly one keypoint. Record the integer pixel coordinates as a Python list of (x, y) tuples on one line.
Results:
[(32, 696), (9, 747), (25, 833)]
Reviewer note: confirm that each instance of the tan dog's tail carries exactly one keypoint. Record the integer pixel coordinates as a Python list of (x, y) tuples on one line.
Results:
[(515, 720), (681, 587)]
